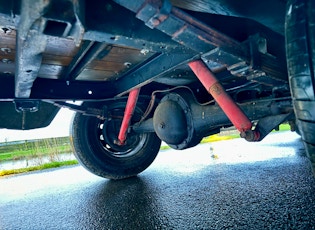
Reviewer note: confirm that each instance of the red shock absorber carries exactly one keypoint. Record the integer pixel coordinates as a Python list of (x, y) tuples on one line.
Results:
[(230, 108), (130, 107)]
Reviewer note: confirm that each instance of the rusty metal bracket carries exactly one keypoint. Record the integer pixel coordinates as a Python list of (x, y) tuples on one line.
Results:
[(267, 124), (39, 21), (152, 14), (244, 60), (30, 44), (181, 27), (26, 105)]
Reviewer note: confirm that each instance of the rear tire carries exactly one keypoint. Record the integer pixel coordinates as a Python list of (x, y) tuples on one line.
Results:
[(94, 144), (300, 48)]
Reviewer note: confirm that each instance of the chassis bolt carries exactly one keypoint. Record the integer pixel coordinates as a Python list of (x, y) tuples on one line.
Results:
[(162, 125), (250, 135)]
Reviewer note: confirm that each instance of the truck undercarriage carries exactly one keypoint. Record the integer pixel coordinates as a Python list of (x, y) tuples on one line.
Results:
[(143, 71)]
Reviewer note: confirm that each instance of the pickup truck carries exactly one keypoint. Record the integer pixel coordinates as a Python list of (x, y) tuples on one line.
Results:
[(144, 71)]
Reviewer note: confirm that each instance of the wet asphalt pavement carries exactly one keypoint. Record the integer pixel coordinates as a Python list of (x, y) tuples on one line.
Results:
[(222, 185)]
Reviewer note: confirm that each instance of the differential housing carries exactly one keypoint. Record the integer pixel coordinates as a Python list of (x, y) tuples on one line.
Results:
[(173, 121)]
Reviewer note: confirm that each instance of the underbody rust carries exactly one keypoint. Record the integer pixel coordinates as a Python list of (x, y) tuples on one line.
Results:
[(97, 52)]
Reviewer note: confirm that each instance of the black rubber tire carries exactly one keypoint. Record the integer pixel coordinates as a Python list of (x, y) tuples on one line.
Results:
[(93, 142), (300, 48)]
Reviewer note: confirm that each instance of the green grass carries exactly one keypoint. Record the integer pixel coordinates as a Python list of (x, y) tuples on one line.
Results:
[(52, 146), (284, 127), (218, 137), (21, 154), (228, 135), (36, 148), (39, 167)]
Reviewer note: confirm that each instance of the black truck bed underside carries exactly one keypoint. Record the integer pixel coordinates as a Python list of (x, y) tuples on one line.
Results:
[(96, 50)]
